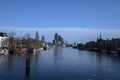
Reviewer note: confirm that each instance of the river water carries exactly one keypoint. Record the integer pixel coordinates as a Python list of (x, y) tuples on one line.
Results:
[(61, 63)]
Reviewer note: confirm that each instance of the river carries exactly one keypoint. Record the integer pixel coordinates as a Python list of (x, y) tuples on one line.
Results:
[(61, 63)]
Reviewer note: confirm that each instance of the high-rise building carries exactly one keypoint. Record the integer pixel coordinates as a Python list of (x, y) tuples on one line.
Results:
[(56, 36), (37, 36), (58, 40), (43, 39)]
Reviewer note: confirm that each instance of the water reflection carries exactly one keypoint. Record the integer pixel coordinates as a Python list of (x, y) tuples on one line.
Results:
[(57, 54), (99, 58), (60, 63), (102, 57)]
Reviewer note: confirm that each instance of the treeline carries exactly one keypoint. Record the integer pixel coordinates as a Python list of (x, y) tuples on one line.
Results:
[(24, 42)]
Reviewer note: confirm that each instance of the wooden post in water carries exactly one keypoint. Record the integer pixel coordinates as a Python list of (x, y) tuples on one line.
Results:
[(27, 66)]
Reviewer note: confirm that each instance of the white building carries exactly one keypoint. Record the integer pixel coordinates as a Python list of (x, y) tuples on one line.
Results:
[(4, 43)]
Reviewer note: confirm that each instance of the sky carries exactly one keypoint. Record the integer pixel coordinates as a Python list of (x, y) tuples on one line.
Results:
[(75, 20)]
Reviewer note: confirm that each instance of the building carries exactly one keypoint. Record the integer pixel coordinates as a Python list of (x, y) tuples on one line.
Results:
[(58, 40), (100, 43), (92, 46), (4, 42), (43, 39)]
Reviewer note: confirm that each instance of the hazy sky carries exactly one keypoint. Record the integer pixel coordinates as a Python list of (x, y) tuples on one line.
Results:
[(76, 20)]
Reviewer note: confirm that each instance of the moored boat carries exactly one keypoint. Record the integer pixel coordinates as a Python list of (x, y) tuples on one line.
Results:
[(3, 51), (19, 51)]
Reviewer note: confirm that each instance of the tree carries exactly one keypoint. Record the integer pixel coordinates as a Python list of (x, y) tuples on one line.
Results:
[(11, 36), (28, 41)]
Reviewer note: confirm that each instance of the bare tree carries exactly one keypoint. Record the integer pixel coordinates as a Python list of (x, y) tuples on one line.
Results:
[(12, 34), (27, 40), (11, 39)]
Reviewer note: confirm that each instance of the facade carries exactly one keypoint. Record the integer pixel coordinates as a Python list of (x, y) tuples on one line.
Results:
[(108, 45), (116, 43), (4, 40), (100, 43), (4, 43), (92, 45)]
